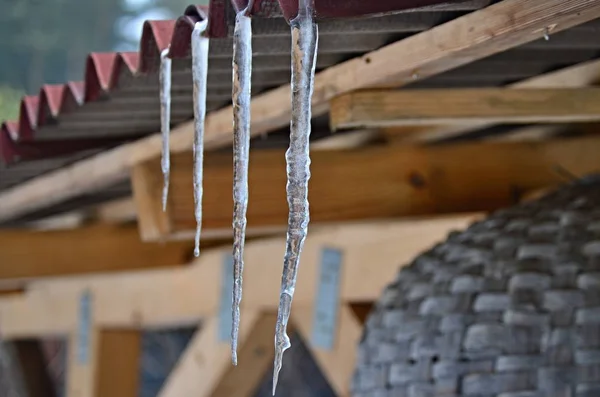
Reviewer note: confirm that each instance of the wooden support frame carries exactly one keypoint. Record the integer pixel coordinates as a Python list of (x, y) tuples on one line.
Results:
[(398, 181), (112, 367), (496, 28), (123, 304), (90, 249), (183, 296), (393, 108), (580, 75)]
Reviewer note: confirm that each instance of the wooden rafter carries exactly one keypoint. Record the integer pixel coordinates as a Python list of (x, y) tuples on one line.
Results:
[(392, 108), (494, 29), (369, 183), (184, 296), (580, 75), (117, 211)]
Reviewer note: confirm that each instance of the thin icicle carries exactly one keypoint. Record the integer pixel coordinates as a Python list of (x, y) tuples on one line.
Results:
[(242, 73), (199, 74), (304, 53), (165, 120)]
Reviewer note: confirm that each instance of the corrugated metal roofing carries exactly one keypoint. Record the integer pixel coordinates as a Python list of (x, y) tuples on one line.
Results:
[(119, 97), (119, 101)]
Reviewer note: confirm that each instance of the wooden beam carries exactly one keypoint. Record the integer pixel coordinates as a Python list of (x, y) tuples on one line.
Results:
[(337, 364), (474, 36), (117, 211), (64, 221), (202, 368), (118, 371), (174, 297), (393, 108), (580, 75), (111, 368), (26, 254), (365, 184)]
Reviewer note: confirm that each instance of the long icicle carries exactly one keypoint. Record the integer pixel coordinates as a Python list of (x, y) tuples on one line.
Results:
[(304, 54), (165, 120), (242, 73), (199, 74)]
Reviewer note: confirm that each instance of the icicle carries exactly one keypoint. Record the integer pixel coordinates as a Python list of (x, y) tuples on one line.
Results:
[(199, 74), (304, 53), (242, 73), (165, 120)]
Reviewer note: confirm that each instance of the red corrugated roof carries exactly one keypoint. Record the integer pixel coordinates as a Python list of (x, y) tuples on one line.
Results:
[(103, 73), (25, 138)]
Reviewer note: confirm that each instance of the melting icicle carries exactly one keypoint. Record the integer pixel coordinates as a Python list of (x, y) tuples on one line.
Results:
[(304, 53), (165, 120), (242, 73), (199, 74)]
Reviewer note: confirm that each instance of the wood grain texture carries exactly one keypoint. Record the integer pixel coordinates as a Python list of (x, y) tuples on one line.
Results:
[(118, 367), (374, 183), (494, 29), (112, 367), (393, 108), (26, 254), (580, 75)]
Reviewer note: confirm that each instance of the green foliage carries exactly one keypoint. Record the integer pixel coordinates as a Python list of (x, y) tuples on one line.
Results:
[(10, 100)]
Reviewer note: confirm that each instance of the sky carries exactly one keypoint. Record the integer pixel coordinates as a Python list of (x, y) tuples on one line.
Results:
[(131, 28)]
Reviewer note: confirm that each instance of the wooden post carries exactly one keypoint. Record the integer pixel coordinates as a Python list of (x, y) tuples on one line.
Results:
[(101, 362)]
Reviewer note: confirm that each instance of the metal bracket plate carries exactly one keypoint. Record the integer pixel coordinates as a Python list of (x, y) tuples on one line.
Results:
[(84, 327), (326, 305), (225, 320)]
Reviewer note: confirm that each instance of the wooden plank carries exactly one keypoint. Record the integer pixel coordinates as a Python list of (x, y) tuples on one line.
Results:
[(174, 297), (206, 361), (153, 225), (474, 36), (28, 254), (393, 108), (580, 75), (118, 371), (80, 374), (117, 211), (366, 184), (112, 367), (338, 364)]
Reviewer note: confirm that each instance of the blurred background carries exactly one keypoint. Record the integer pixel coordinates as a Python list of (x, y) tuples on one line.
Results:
[(53, 49)]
